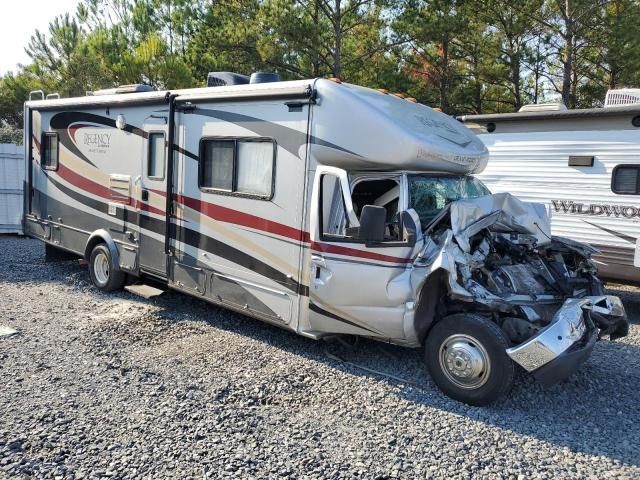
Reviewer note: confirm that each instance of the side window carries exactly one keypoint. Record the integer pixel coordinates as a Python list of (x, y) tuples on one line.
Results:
[(625, 180), (333, 215), (156, 158), (254, 168), (382, 193), (239, 166), (49, 158)]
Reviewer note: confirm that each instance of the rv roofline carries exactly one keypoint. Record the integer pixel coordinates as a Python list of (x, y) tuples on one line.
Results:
[(560, 114), (261, 91), (210, 95)]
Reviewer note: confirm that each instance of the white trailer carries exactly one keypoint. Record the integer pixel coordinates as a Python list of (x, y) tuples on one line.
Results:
[(321, 207), (11, 187), (584, 165)]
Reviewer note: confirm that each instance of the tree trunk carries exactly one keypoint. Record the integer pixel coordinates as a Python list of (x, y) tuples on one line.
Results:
[(567, 60), (315, 64), (337, 45), (444, 78)]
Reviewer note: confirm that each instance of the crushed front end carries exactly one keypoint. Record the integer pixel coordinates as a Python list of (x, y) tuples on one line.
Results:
[(542, 291)]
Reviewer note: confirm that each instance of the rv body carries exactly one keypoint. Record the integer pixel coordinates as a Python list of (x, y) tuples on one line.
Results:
[(584, 165), (321, 207)]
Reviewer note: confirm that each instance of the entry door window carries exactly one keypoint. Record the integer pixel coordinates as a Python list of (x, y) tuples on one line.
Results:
[(157, 156)]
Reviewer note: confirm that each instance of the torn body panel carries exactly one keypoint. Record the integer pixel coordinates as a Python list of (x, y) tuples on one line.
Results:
[(502, 262)]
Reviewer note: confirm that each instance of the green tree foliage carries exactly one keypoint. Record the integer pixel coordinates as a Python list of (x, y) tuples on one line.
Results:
[(464, 56)]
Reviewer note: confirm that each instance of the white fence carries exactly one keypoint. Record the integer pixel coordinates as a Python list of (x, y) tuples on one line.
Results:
[(11, 185)]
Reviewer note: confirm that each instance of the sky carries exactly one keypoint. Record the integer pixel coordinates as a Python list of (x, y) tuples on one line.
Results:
[(19, 20)]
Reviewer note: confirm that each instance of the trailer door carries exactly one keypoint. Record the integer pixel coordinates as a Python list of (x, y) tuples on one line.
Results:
[(151, 197)]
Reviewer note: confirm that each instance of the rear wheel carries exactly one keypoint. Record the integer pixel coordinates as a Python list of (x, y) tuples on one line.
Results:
[(465, 355), (103, 271)]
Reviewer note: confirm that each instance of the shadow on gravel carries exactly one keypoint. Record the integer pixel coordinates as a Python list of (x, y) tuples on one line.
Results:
[(599, 403)]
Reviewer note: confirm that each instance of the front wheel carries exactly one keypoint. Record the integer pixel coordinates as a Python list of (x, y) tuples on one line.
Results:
[(465, 355), (104, 273)]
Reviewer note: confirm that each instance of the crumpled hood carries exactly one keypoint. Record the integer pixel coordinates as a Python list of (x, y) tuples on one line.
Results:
[(501, 211), (500, 218)]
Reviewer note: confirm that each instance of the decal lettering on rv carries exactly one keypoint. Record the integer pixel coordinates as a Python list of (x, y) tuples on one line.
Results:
[(97, 139), (595, 209)]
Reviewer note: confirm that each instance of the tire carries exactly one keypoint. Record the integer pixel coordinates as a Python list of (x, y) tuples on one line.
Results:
[(479, 372), (103, 271)]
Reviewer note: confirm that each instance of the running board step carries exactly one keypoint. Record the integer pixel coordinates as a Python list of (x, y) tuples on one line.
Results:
[(143, 290)]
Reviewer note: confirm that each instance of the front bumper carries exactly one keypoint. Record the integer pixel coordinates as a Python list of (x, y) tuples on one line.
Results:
[(560, 348)]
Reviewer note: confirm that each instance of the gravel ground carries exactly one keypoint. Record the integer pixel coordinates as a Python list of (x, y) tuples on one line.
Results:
[(114, 385)]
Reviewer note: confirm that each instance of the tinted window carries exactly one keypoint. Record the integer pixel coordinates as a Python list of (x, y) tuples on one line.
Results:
[(626, 180), (49, 159), (217, 165), (239, 166), (155, 165)]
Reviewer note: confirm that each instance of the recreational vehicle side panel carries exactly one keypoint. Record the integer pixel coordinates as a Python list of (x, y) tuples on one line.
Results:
[(86, 177), (239, 209)]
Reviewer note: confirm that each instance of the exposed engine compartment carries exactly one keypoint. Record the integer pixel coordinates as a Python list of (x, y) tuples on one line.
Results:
[(502, 262)]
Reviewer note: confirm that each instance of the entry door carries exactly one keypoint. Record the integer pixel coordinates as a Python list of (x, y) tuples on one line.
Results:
[(355, 288), (152, 198)]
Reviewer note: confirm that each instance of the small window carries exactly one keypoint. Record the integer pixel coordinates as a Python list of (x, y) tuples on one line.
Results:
[(49, 160), (626, 180), (156, 159), (238, 166), (333, 215)]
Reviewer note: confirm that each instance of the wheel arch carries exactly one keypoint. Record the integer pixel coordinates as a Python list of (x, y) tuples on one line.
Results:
[(98, 237), (428, 301)]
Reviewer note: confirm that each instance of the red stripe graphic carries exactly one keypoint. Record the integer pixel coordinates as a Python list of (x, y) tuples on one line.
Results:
[(98, 189), (74, 129), (37, 143), (354, 252), (235, 217)]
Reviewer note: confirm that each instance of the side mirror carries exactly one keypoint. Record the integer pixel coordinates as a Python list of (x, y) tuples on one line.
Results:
[(372, 223)]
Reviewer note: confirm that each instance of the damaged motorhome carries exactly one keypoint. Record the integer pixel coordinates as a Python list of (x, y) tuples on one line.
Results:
[(324, 208)]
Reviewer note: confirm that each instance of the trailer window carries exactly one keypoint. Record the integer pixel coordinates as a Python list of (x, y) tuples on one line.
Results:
[(50, 151), (625, 180), (240, 166), (156, 159)]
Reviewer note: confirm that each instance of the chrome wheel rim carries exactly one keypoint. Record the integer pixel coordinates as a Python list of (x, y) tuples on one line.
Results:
[(464, 361), (101, 268)]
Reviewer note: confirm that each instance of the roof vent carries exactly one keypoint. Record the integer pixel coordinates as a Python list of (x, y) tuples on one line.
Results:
[(622, 96), (221, 79), (543, 107), (264, 77), (133, 88)]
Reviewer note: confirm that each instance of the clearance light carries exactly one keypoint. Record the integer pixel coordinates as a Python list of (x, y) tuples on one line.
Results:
[(411, 99), (335, 79), (383, 90), (400, 95), (437, 109)]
